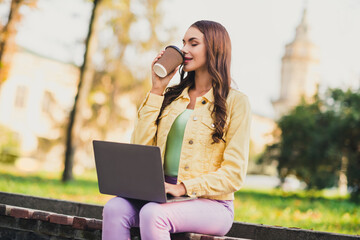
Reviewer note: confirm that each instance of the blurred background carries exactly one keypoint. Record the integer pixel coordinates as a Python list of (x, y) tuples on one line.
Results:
[(76, 70)]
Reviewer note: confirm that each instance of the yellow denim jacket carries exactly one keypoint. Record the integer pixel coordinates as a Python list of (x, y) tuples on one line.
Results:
[(207, 170)]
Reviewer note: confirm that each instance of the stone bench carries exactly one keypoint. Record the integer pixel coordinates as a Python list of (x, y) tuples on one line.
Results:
[(29, 217)]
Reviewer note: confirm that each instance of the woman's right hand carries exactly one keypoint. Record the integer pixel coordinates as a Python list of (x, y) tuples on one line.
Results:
[(158, 83)]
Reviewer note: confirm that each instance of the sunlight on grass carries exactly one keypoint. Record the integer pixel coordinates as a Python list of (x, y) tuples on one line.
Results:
[(270, 207), (44, 184), (277, 208)]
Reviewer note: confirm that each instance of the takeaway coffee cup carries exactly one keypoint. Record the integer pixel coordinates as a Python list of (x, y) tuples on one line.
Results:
[(171, 58)]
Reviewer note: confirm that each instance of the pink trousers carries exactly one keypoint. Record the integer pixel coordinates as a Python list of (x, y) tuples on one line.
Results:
[(157, 221)]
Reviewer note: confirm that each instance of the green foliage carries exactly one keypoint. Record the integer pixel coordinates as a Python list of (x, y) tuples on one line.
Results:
[(320, 139), (121, 74), (346, 133), (9, 146)]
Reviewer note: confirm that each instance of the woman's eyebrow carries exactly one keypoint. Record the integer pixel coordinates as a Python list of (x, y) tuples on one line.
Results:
[(193, 38)]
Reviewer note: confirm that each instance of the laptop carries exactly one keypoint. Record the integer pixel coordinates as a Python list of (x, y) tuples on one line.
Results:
[(131, 171)]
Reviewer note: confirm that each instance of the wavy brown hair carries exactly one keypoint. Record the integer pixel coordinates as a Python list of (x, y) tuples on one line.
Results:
[(218, 54)]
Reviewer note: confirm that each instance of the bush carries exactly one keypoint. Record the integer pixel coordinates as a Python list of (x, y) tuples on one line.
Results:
[(9, 146)]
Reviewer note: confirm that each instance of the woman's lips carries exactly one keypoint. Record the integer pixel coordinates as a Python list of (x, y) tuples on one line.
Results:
[(186, 60)]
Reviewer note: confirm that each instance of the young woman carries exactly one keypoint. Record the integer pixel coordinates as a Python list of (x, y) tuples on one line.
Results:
[(202, 127)]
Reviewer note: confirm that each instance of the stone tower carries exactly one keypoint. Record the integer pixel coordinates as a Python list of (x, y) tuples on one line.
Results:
[(299, 70)]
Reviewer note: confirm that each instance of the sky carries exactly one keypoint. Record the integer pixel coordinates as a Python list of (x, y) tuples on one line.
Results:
[(259, 31)]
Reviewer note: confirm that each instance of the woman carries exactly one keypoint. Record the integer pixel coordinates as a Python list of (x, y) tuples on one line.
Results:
[(202, 127)]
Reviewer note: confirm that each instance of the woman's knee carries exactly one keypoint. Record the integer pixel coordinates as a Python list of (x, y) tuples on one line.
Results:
[(151, 213), (118, 206)]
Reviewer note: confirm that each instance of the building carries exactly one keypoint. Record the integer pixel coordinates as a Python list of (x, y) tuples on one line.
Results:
[(299, 71), (299, 80), (35, 101)]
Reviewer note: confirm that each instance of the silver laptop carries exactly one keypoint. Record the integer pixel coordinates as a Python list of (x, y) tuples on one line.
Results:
[(131, 171)]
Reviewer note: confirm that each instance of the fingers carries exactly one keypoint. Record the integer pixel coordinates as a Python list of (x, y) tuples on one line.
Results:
[(175, 189), (166, 187), (173, 72)]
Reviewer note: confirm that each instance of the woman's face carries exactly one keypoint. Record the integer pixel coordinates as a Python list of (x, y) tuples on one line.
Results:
[(194, 50)]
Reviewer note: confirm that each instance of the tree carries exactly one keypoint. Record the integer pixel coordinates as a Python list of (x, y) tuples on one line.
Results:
[(8, 33), (117, 75), (121, 82), (346, 135), (319, 142), (302, 146), (81, 94)]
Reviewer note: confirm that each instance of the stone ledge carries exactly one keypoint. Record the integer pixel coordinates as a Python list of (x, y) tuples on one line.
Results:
[(52, 205), (51, 217), (21, 228), (265, 232), (93, 214), (28, 222)]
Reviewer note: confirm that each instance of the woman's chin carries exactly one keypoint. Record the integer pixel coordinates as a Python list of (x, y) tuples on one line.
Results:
[(187, 69)]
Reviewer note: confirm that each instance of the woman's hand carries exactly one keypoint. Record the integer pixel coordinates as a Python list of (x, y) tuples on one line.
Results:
[(176, 190), (159, 84)]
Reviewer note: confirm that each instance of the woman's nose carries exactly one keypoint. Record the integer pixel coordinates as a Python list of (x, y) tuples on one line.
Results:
[(184, 50)]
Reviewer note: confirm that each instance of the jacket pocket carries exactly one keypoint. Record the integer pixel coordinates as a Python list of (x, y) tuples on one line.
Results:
[(207, 126), (215, 151), (206, 129)]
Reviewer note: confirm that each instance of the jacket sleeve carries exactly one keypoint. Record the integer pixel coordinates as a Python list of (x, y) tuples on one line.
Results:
[(145, 127), (231, 174)]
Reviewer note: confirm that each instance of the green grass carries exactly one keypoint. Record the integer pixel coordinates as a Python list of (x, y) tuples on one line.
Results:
[(299, 210), (272, 207), (83, 189)]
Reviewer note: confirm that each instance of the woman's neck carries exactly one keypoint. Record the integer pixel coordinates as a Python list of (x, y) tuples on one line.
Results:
[(202, 81)]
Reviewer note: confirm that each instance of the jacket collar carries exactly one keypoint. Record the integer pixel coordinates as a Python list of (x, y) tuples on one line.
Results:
[(208, 96)]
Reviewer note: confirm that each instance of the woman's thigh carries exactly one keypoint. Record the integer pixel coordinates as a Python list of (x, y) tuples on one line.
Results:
[(120, 209), (198, 215)]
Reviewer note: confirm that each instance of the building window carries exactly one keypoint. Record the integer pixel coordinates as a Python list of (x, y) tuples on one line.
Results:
[(21, 96), (46, 102)]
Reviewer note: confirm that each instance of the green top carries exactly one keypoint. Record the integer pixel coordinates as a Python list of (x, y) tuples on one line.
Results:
[(174, 143)]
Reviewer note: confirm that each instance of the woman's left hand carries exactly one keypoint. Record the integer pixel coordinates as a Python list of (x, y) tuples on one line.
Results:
[(176, 190)]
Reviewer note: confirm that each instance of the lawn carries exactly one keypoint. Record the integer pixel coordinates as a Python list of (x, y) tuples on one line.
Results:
[(271, 207)]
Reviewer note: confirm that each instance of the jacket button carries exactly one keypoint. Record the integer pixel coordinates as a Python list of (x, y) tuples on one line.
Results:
[(195, 118), (186, 167), (191, 142), (203, 102)]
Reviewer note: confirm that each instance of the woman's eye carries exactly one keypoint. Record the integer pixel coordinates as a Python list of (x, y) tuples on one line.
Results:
[(194, 44)]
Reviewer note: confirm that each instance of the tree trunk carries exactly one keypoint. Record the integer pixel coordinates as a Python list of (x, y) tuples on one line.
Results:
[(83, 86), (7, 39), (342, 176)]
